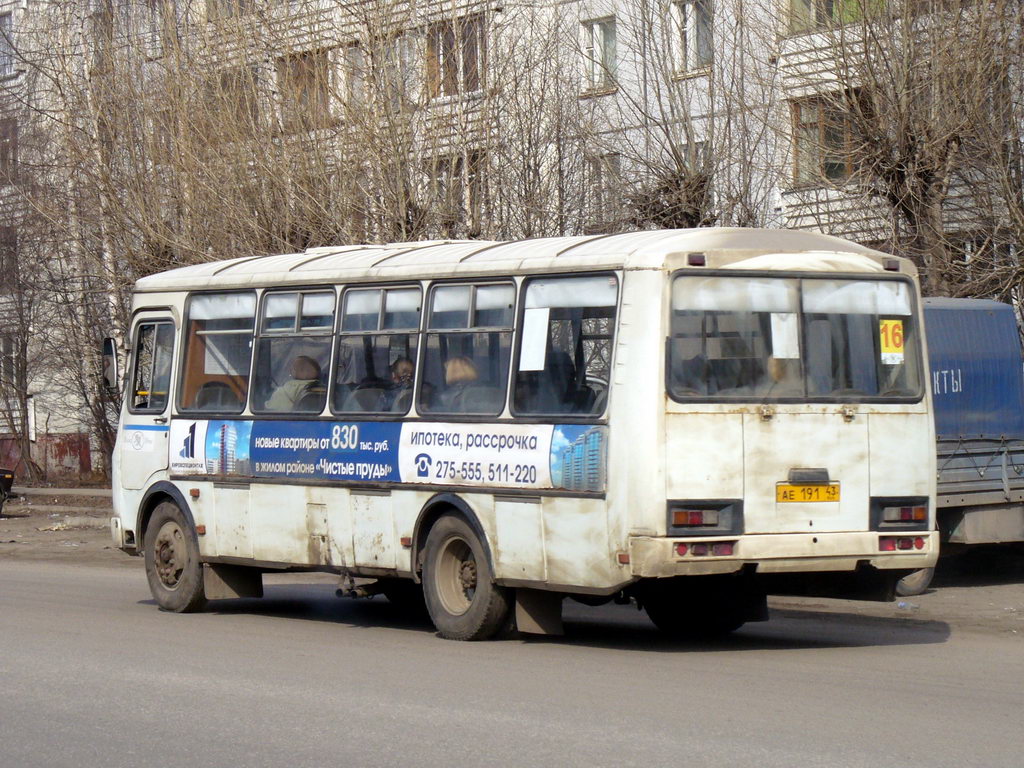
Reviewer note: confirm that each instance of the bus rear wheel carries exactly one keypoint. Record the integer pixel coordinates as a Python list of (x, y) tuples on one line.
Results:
[(698, 612), (915, 583), (405, 595), (462, 599), (172, 561)]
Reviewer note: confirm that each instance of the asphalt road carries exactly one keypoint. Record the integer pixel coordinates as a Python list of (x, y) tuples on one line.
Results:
[(92, 674)]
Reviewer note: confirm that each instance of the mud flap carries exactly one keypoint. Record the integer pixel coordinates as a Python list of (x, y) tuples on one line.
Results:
[(222, 582), (539, 612)]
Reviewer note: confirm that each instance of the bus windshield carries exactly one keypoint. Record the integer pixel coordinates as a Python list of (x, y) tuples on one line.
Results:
[(792, 338)]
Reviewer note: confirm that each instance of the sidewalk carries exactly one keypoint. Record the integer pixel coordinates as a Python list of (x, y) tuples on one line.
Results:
[(23, 491), (89, 502)]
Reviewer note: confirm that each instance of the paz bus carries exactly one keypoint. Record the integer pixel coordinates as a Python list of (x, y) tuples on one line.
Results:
[(689, 420)]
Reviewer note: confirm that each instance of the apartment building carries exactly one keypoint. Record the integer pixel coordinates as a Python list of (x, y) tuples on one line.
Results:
[(136, 135)]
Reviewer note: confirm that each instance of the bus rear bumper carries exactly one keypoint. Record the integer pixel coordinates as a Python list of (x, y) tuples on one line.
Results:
[(655, 557)]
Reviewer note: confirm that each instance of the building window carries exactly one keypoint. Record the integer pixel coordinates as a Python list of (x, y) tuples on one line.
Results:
[(821, 146), (457, 188), (354, 66), (391, 66), (599, 60), (8, 150), (304, 82), (232, 94), (226, 9), (456, 56), (691, 34), (811, 15), (604, 181), (8, 361), (6, 44), (8, 258), (161, 23)]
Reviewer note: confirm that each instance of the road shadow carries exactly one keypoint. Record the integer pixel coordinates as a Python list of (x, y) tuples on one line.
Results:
[(610, 627), (788, 629), (318, 602), (981, 566)]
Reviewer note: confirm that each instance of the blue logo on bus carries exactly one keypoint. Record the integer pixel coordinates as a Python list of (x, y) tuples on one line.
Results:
[(423, 462), (188, 449)]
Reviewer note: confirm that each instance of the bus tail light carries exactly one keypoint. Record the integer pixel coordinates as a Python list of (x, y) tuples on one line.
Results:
[(704, 517), (904, 514), (694, 517), (900, 543), (702, 549), (899, 514)]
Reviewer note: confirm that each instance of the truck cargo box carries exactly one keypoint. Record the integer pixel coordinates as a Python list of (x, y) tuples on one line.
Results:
[(977, 371)]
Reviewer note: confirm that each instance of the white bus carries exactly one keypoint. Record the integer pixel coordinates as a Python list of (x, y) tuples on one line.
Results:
[(689, 419)]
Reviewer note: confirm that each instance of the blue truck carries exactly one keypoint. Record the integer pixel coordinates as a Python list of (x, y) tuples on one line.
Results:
[(977, 370)]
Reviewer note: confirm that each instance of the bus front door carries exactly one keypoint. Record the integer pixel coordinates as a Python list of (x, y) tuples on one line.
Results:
[(142, 441)]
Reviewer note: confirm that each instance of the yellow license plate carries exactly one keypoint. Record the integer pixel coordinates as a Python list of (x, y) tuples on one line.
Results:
[(788, 492)]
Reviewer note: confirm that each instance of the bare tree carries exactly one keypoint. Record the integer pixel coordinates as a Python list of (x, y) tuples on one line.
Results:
[(886, 113), (687, 110)]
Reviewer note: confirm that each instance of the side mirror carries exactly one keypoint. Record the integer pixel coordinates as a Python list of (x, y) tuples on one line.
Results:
[(110, 377)]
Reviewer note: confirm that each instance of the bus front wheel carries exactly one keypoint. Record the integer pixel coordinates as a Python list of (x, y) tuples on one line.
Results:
[(172, 561), (462, 599)]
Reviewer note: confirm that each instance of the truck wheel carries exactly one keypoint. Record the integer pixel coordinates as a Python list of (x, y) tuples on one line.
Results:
[(915, 583), (172, 561), (462, 599)]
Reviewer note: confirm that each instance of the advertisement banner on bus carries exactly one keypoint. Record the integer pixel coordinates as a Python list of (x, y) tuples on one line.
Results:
[(530, 456)]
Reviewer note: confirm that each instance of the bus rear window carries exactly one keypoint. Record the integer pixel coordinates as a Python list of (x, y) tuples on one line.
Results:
[(218, 349), (779, 338)]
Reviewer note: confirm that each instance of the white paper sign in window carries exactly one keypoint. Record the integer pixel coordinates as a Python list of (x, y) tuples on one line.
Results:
[(534, 339), (785, 335)]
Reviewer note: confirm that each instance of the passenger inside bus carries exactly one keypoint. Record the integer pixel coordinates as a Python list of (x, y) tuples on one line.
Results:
[(303, 391), (397, 397), (460, 376)]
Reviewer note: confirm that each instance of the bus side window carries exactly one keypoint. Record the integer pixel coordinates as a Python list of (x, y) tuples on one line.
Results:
[(218, 351), (468, 346), (565, 346), (151, 380), (293, 352), (376, 362)]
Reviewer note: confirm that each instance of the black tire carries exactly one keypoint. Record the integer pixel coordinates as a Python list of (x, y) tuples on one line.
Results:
[(462, 599), (406, 595), (915, 583), (698, 612), (172, 561)]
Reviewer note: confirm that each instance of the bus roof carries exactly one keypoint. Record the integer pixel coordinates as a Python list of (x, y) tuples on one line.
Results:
[(452, 258)]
